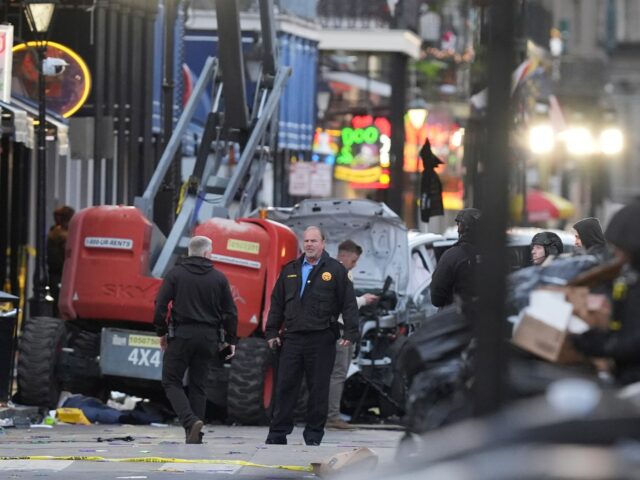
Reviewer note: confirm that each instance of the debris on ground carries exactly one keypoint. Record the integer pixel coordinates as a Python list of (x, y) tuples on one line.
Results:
[(359, 459)]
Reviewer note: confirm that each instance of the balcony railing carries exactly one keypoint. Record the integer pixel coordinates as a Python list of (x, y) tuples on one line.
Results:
[(350, 14)]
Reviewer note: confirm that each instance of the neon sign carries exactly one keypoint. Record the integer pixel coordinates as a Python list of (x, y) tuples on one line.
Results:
[(364, 159), (325, 146)]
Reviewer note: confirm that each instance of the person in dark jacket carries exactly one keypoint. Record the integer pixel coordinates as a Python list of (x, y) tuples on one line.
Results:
[(622, 341), (543, 245), (454, 274), (348, 254), (431, 204), (309, 296), (590, 238), (192, 304), (56, 244)]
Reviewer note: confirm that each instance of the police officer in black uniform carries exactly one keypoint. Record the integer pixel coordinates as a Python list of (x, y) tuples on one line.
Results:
[(621, 342), (454, 274), (196, 300), (543, 245), (307, 300)]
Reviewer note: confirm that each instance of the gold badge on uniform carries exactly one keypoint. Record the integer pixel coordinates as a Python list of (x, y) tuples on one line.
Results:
[(326, 276)]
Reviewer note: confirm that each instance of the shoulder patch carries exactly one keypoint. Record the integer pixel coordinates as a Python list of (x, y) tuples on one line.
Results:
[(350, 275)]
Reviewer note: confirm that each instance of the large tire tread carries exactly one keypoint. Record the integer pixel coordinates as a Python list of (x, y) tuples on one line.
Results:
[(246, 382), (39, 349), (82, 375)]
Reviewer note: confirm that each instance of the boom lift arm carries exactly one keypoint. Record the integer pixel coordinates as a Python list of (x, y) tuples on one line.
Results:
[(254, 134)]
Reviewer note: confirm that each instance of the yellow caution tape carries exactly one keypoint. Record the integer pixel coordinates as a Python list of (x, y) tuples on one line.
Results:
[(241, 463)]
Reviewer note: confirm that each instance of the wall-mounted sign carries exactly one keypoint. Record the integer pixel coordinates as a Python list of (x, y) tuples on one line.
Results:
[(364, 159), (66, 91), (310, 179), (6, 59)]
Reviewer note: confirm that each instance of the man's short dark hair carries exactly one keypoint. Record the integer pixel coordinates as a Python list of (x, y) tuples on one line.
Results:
[(350, 246)]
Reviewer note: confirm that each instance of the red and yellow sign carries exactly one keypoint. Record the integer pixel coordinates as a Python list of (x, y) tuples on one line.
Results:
[(65, 92)]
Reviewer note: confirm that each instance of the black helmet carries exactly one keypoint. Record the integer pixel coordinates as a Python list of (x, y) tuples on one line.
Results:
[(550, 241), (467, 220), (468, 216)]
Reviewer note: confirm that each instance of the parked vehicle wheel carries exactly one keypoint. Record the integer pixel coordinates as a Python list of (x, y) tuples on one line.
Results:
[(251, 383), (39, 352), (80, 372)]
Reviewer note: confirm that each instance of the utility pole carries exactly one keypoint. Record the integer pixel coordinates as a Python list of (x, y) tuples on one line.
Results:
[(395, 194), (165, 205), (100, 136), (489, 316)]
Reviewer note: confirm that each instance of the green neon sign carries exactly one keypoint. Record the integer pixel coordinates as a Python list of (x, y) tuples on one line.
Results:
[(355, 136)]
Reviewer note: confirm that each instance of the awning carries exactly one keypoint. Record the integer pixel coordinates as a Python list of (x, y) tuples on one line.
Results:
[(23, 116), (543, 206), (22, 124), (297, 105), (371, 40), (360, 82)]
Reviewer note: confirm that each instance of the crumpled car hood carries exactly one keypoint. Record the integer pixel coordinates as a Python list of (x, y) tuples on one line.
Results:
[(372, 225)]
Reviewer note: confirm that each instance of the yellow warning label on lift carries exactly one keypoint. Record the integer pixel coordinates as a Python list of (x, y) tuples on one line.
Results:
[(144, 341), (236, 245)]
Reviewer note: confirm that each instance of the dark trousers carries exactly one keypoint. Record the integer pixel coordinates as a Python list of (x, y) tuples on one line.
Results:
[(312, 355), (194, 353)]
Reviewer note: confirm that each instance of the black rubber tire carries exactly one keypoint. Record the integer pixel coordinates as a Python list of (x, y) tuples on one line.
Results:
[(85, 343), (81, 372), (249, 368), (39, 351)]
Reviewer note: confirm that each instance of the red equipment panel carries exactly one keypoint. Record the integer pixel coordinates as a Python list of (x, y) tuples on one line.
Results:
[(251, 253), (283, 249), (106, 271), (107, 266), (240, 250)]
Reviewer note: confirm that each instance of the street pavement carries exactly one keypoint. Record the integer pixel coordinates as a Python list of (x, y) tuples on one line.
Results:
[(227, 446)]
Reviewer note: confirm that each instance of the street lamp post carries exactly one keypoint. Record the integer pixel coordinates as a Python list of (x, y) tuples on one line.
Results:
[(39, 14)]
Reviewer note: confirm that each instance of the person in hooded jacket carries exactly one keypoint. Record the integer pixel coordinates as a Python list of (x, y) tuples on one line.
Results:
[(192, 304), (454, 274), (622, 341), (590, 238)]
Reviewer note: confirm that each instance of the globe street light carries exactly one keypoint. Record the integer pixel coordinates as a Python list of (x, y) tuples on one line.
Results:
[(611, 141), (579, 141), (39, 15), (541, 139), (418, 112)]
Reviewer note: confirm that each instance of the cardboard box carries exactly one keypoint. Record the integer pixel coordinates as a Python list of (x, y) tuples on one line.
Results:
[(544, 340), (545, 325), (594, 309), (357, 460)]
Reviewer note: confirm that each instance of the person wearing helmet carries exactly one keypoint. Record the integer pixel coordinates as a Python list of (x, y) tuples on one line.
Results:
[(453, 275), (590, 239), (543, 245), (621, 342)]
